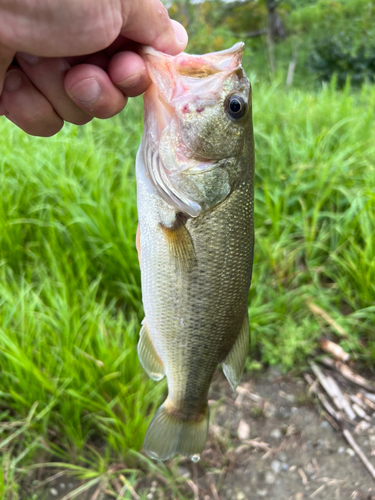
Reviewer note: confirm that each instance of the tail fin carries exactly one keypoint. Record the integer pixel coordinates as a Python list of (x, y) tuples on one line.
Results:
[(168, 434)]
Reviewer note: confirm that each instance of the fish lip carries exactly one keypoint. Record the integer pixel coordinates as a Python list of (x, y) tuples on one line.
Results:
[(175, 75), (146, 50)]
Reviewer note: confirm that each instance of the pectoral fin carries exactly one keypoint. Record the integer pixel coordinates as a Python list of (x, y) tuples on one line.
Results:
[(234, 363), (181, 246), (148, 356)]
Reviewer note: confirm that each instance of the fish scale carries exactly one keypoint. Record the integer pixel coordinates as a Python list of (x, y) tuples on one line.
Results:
[(195, 271)]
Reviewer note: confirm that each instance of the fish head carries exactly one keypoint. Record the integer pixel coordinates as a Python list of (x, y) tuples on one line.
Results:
[(197, 125)]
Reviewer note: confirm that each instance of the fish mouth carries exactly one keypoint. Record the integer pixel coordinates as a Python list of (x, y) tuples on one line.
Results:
[(187, 75), (175, 80)]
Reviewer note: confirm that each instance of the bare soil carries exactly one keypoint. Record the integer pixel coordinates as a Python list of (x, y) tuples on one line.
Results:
[(269, 440)]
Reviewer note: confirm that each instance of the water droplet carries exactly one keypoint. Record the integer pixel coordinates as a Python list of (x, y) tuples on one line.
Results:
[(195, 458)]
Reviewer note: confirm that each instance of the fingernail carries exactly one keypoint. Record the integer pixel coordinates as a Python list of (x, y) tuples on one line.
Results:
[(131, 81), (86, 91), (29, 58), (180, 32), (13, 81)]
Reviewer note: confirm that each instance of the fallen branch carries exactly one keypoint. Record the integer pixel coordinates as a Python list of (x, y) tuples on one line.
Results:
[(334, 349), (339, 399), (359, 452), (358, 401), (369, 396), (333, 390), (330, 410), (348, 373), (361, 412)]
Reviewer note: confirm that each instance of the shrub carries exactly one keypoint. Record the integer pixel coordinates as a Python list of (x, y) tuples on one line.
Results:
[(340, 56)]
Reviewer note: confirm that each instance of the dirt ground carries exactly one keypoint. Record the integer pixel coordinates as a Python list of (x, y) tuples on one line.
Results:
[(268, 440)]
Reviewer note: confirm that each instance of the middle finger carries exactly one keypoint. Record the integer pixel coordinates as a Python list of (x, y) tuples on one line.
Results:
[(47, 75)]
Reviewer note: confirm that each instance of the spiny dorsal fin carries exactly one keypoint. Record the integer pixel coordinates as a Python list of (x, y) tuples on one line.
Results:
[(148, 356), (180, 243)]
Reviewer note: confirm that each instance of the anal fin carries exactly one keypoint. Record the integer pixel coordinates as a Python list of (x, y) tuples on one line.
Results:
[(148, 356), (234, 363)]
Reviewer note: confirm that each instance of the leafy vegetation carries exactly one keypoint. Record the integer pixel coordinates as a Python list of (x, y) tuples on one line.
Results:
[(338, 56), (324, 37), (70, 291), (73, 394)]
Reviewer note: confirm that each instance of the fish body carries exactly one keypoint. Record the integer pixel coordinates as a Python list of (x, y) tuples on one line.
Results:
[(195, 178)]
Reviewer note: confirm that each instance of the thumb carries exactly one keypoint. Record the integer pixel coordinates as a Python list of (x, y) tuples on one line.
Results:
[(148, 23), (6, 58)]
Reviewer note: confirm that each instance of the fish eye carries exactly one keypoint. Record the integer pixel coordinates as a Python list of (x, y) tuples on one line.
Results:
[(235, 106)]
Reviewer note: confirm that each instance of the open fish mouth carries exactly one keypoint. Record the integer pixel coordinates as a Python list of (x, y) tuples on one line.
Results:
[(184, 89)]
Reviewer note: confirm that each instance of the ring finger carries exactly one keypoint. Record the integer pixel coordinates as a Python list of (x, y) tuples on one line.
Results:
[(47, 75), (25, 106)]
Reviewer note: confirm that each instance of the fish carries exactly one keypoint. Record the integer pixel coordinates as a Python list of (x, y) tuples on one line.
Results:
[(195, 238)]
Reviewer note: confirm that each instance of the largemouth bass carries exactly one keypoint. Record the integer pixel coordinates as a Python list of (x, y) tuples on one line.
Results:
[(195, 180)]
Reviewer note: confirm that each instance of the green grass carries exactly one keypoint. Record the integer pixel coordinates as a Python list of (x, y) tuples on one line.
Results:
[(71, 385)]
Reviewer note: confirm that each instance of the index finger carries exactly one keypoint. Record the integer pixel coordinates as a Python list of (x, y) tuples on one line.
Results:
[(148, 23)]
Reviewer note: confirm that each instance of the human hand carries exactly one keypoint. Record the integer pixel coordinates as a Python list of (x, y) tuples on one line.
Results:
[(53, 82)]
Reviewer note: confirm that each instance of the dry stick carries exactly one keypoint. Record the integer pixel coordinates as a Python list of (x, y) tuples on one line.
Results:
[(332, 389), (369, 403), (348, 373), (334, 349), (358, 401), (336, 417), (212, 487), (331, 421), (48, 480), (369, 396), (99, 490), (194, 487), (258, 444), (130, 488), (346, 433), (323, 314), (361, 412), (316, 492), (359, 452), (339, 399), (303, 476)]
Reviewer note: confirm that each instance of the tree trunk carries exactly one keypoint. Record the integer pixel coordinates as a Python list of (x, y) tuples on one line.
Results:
[(276, 27)]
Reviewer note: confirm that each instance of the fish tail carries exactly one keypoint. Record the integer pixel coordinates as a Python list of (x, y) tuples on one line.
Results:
[(171, 432)]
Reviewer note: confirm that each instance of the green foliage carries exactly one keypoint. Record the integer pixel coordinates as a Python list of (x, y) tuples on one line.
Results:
[(71, 385), (339, 56), (327, 36), (315, 213)]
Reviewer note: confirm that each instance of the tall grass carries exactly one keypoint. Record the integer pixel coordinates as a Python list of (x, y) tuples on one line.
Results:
[(70, 302)]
